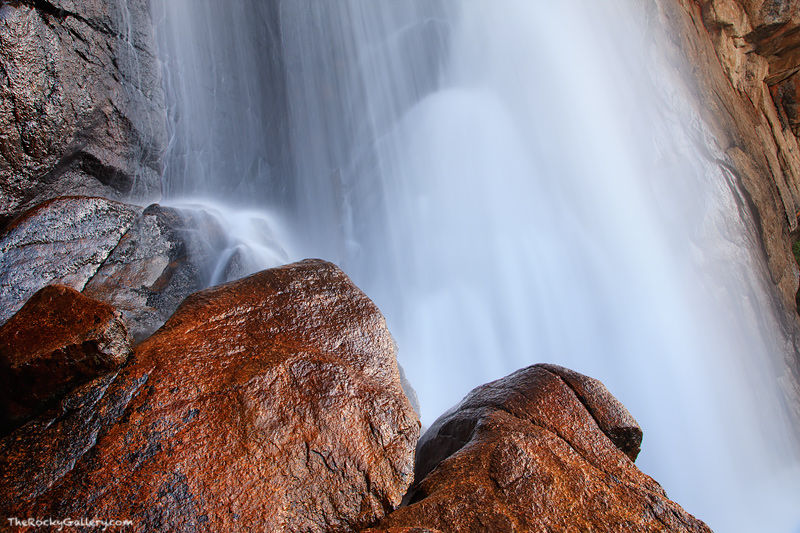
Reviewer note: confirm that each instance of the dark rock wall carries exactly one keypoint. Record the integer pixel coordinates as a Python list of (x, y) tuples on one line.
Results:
[(82, 106)]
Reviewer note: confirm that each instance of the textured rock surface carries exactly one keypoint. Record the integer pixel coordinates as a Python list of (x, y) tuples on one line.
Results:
[(739, 57), (544, 449), (144, 263), (743, 56), (401, 530), (272, 403), (82, 108), (166, 255), (61, 241), (60, 339)]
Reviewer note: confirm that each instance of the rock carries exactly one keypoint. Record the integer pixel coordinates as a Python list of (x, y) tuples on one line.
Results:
[(270, 403), (786, 96), (401, 530), (544, 449), (82, 108), (738, 59), (610, 415), (62, 241), (737, 53), (60, 339), (166, 255), (144, 263)]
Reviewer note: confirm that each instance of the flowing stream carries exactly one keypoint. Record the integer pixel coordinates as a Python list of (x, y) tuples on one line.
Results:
[(512, 181)]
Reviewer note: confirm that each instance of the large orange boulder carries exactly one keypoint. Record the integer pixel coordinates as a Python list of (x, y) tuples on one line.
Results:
[(58, 340), (544, 449), (273, 403)]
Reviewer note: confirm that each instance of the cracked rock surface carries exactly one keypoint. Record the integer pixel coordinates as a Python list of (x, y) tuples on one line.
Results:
[(273, 403), (62, 241), (166, 255), (143, 262), (81, 104), (544, 449)]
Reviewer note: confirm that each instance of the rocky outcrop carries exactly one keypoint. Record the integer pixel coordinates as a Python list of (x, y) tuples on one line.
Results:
[(166, 255), (739, 59), (61, 241), (544, 449), (60, 339), (271, 403), (144, 263), (743, 57), (82, 108)]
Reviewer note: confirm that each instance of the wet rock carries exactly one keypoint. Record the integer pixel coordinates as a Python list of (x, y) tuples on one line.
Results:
[(82, 108), (739, 58), (166, 255), (144, 263), (610, 415), (62, 241), (539, 450), (271, 403), (737, 53), (57, 341)]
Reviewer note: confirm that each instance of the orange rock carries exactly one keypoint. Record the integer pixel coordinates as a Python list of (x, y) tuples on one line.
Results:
[(544, 449), (401, 530), (272, 403), (57, 341)]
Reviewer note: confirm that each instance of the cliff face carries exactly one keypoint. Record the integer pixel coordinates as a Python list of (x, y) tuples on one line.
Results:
[(740, 60), (743, 57), (82, 108)]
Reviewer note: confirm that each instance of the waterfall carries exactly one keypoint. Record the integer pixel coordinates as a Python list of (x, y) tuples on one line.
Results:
[(512, 182)]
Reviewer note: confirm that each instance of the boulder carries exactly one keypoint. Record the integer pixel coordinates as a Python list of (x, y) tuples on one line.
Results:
[(60, 339), (166, 255), (271, 403), (544, 449), (82, 106), (61, 241), (143, 262)]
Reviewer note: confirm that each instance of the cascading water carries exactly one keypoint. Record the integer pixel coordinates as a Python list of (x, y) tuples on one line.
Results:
[(512, 182)]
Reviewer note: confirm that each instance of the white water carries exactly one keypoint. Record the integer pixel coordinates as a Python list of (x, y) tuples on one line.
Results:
[(512, 182)]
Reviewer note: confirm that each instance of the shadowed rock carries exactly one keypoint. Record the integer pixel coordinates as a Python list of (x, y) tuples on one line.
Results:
[(166, 255), (144, 263), (81, 108), (57, 341), (272, 403), (544, 449)]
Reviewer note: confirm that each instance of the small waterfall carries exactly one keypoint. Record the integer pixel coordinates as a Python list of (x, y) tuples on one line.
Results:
[(512, 182)]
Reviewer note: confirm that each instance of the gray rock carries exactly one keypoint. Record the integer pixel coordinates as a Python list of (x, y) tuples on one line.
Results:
[(61, 241), (167, 254), (144, 263), (82, 108)]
